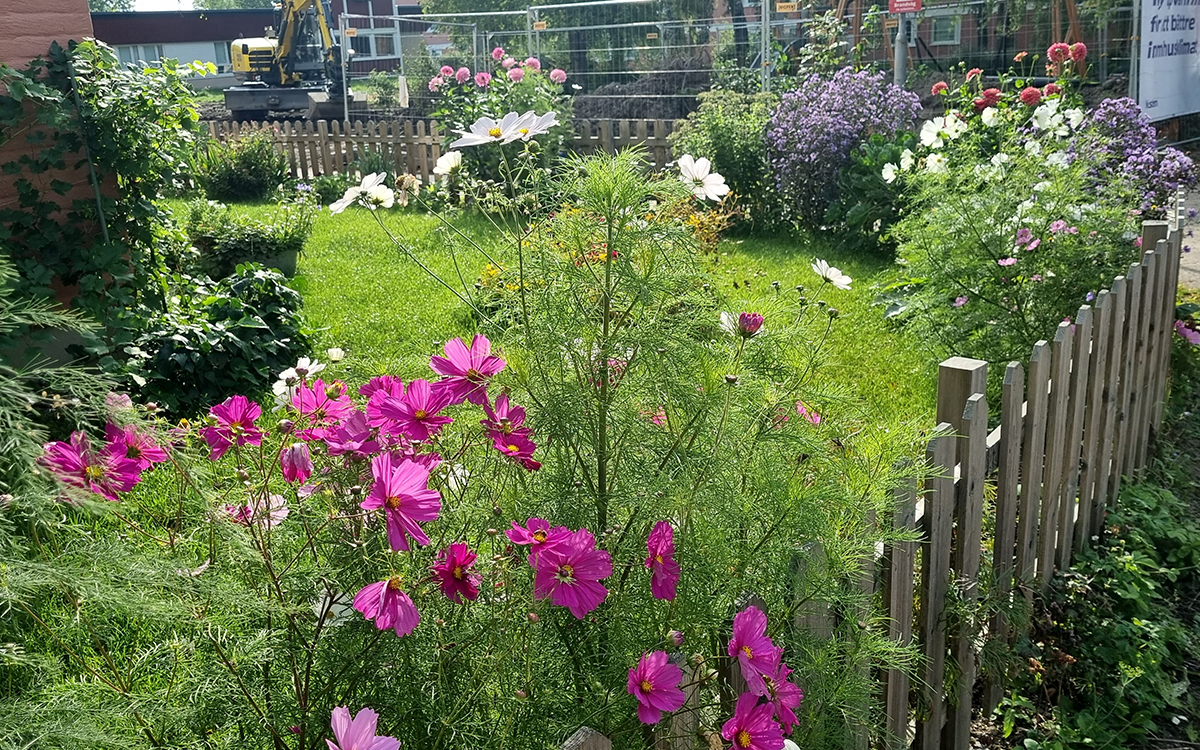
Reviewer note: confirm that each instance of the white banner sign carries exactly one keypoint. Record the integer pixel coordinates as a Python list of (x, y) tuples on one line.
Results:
[(1169, 77)]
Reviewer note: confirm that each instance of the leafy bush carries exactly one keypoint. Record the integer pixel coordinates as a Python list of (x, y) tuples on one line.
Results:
[(248, 169), (815, 128), (384, 88), (329, 187), (728, 129), (217, 339), (868, 205), (226, 239)]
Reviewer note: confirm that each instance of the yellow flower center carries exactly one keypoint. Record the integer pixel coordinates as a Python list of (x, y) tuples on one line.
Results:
[(742, 738), (523, 131), (495, 132), (565, 574), (420, 414), (395, 583), (749, 652), (646, 686), (539, 536), (94, 472), (236, 428), (513, 448), (458, 572), (393, 503), (658, 559), (474, 375)]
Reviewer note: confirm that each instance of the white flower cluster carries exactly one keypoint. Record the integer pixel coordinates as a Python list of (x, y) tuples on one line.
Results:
[(511, 127)]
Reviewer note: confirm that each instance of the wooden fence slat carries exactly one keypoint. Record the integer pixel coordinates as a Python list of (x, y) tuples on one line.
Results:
[(1005, 536), (606, 137), (1077, 401), (1056, 435), (1094, 417), (1147, 325), (935, 580), (410, 156), (969, 517), (1174, 250), (682, 731), (1114, 369), (1031, 467), (586, 738), (900, 612), (1126, 393)]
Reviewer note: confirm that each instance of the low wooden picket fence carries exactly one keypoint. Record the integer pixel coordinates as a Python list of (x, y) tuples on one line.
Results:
[(1071, 429), (413, 146)]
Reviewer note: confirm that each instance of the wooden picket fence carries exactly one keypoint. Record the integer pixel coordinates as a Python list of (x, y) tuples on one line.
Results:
[(1082, 419), (413, 146)]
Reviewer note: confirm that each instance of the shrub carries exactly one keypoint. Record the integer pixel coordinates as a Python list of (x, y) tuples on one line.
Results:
[(868, 205), (815, 128), (217, 339), (728, 129), (248, 169), (384, 89), (329, 187), (225, 239)]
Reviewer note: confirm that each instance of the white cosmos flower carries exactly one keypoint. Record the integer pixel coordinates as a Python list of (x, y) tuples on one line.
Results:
[(352, 195), (379, 196), (486, 130), (991, 117), (531, 124), (1058, 159), (935, 163), (907, 159), (698, 174), (303, 369), (448, 163), (831, 274), (334, 609), (1075, 117), (335, 354), (999, 160), (1033, 147), (935, 132), (1043, 185), (889, 173)]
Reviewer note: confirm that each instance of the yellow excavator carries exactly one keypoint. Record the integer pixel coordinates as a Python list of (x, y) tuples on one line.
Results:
[(298, 66)]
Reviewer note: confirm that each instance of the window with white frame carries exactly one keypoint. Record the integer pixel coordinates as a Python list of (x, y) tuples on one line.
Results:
[(137, 53), (945, 30), (361, 45), (221, 55), (385, 45)]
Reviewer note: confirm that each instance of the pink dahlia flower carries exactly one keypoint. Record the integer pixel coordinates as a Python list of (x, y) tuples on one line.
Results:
[(1051, 89), (1058, 52), (558, 75), (664, 570), (751, 727), (940, 87), (389, 607), (755, 652), (508, 62), (974, 73), (401, 488), (132, 443), (1031, 96), (436, 83), (466, 371), (296, 462), (655, 684), (358, 733), (538, 535), (1078, 52), (75, 463), (446, 71), (515, 74), (352, 437), (462, 75), (416, 414), (454, 574), (482, 79), (570, 573), (533, 63), (321, 407), (498, 54), (784, 695), (235, 424)]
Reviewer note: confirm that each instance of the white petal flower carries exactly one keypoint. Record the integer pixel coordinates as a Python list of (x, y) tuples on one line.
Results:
[(953, 126), (990, 117), (531, 124), (831, 274), (1033, 147), (333, 609), (355, 193), (380, 196), (931, 134), (1043, 185), (486, 130), (1059, 159), (907, 159), (448, 163), (306, 367), (698, 174), (729, 324), (889, 173), (335, 354), (456, 478), (999, 160), (1046, 116), (935, 163), (1075, 117)]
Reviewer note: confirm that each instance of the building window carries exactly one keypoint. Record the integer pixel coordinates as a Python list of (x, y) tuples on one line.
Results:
[(221, 55), (945, 29), (385, 45), (143, 53), (361, 45)]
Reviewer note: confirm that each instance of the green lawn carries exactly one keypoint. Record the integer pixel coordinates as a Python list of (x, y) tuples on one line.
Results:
[(364, 296)]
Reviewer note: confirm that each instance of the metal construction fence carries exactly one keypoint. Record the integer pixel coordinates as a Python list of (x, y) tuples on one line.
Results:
[(635, 58)]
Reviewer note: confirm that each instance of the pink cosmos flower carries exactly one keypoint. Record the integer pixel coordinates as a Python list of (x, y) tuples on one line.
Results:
[(498, 54), (940, 87), (1024, 236), (75, 463), (751, 727), (235, 423), (664, 570), (1006, 262), (1078, 52), (321, 407), (352, 436), (466, 371), (655, 684), (116, 403), (358, 733), (1189, 335), (504, 420), (133, 444), (960, 301), (394, 389), (401, 488), (482, 79), (446, 71), (508, 62), (755, 652), (810, 414), (1030, 96), (558, 75), (1057, 226), (538, 535), (515, 74), (416, 414), (453, 571), (388, 383), (974, 73), (270, 513), (570, 573), (1058, 52), (462, 75), (519, 448), (785, 696), (436, 83), (533, 63), (296, 462), (1028, 248), (389, 607)]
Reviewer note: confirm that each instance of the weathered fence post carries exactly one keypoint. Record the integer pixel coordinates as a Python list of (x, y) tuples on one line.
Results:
[(1080, 367), (1056, 435), (900, 612), (1094, 418), (1031, 469), (935, 567), (586, 738)]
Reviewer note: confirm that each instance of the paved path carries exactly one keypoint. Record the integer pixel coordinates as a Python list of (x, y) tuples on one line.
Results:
[(1189, 265)]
